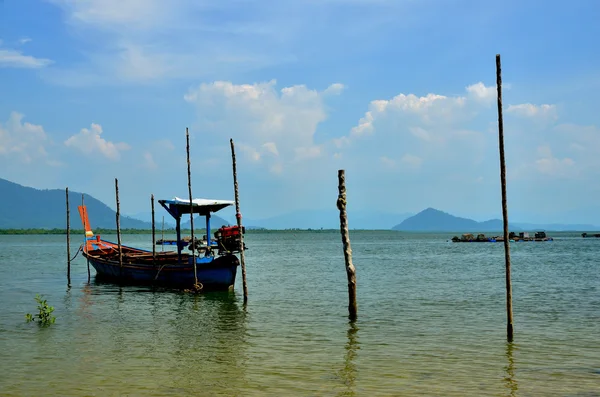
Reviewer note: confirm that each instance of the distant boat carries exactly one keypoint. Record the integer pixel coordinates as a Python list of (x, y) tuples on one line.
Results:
[(481, 238), (584, 235), (216, 260)]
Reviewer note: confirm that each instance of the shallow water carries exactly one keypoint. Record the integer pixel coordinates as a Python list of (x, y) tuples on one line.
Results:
[(432, 321)]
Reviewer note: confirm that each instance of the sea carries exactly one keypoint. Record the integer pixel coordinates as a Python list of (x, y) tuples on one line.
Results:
[(431, 321)]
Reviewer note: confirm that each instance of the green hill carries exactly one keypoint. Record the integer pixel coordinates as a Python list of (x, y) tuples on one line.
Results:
[(24, 207), (432, 220)]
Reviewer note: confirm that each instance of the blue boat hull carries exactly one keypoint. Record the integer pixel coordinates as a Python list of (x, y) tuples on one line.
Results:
[(213, 273)]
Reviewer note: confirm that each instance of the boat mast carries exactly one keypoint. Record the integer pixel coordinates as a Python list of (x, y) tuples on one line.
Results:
[(208, 231)]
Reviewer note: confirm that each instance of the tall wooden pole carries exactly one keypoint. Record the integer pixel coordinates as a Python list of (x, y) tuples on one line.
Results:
[(153, 233), (238, 216), (509, 310), (350, 270), (118, 216), (187, 138), (163, 234), (85, 227), (68, 239)]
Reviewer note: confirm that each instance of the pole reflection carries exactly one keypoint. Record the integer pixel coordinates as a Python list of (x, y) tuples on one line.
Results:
[(348, 373), (510, 381)]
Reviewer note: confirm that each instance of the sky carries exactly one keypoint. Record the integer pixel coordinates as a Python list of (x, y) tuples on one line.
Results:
[(400, 94)]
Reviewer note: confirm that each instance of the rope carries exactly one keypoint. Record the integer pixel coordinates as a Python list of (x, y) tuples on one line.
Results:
[(77, 253), (158, 272)]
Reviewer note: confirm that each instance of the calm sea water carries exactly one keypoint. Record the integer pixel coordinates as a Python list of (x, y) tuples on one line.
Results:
[(432, 321)]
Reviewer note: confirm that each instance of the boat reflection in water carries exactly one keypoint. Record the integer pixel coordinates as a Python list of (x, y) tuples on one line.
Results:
[(183, 344)]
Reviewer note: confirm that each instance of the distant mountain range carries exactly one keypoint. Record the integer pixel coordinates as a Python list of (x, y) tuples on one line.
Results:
[(328, 219), (25, 207), (432, 220), (199, 222)]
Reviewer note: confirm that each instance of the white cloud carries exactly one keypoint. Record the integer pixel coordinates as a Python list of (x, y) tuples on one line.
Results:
[(550, 165), (143, 41), (534, 111), (149, 161), (335, 89), (388, 162), (23, 40), (412, 161), (23, 142), (480, 92), (89, 141), (16, 59), (272, 127)]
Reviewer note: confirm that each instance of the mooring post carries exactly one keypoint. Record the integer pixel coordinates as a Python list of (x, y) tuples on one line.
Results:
[(85, 241), (68, 240), (238, 216), (118, 216), (153, 233), (163, 234), (350, 270), (187, 149), (509, 310)]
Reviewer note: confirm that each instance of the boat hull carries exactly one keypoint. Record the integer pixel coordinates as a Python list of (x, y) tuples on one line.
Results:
[(214, 274)]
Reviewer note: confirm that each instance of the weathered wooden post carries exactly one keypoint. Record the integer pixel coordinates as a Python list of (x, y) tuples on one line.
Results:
[(187, 149), (509, 310), (85, 241), (350, 270), (68, 240), (153, 233), (118, 216), (238, 216)]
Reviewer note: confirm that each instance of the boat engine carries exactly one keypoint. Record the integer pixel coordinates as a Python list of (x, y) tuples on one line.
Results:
[(229, 239)]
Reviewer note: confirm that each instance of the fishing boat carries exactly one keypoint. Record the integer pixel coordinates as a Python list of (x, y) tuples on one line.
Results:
[(215, 258)]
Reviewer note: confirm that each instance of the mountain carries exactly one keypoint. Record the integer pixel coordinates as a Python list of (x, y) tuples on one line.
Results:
[(200, 222), (328, 219), (24, 207), (432, 220)]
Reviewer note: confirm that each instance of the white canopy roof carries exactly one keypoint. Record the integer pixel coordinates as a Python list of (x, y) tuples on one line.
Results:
[(202, 202)]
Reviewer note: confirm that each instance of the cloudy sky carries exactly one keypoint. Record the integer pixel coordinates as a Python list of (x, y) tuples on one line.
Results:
[(399, 93)]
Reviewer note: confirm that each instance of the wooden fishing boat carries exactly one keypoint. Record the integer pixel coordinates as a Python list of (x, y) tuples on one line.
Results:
[(216, 260)]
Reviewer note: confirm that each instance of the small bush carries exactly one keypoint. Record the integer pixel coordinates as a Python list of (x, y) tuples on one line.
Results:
[(44, 316)]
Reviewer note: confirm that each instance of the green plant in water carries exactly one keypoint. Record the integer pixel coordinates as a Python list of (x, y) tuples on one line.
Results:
[(44, 316)]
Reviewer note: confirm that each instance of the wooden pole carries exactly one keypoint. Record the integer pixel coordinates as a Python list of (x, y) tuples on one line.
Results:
[(509, 309), (350, 270), (153, 233), (85, 227), (68, 239), (118, 216), (238, 216), (163, 234), (187, 138)]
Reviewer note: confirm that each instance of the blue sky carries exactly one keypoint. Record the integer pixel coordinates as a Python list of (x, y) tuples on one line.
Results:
[(400, 94)]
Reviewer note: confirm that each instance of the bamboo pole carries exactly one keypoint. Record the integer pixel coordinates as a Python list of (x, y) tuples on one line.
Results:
[(350, 270), (238, 216), (68, 239), (153, 233), (85, 242), (187, 138), (118, 216), (509, 309)]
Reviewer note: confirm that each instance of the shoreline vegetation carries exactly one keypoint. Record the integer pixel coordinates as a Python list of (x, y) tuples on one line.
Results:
[(149, 231), (186, 232)]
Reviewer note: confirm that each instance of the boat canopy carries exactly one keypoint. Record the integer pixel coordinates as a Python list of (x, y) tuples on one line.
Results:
[(200, 206)]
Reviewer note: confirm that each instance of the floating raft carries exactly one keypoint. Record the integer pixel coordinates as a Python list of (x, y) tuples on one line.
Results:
[(584, 235), (173, 242), (481, 238)]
